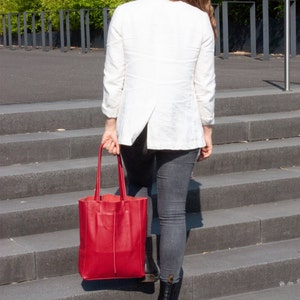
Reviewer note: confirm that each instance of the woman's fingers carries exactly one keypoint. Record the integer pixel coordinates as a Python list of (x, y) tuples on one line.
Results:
[(111, 146), (205, 153)]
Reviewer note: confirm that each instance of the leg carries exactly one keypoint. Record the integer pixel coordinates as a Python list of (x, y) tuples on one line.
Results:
[(139, 164), (174, 170)]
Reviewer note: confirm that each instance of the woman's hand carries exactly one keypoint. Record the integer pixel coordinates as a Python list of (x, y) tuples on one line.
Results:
[(206, 151), (110, 137)]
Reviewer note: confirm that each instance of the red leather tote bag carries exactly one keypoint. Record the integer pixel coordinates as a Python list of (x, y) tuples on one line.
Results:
[(112, 232)]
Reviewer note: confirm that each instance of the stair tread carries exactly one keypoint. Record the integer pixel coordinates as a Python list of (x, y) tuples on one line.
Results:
[(59, 144), (207, 182), (258, 145), (60, 134), (258, 117), (39, 242), (50, 135), (257, 91), (58, 165), (244, 214), (46, 106), (92, 161), (219, 263), (195, 221), (46, 201), (222, 180), (84, 103), (289, 291)]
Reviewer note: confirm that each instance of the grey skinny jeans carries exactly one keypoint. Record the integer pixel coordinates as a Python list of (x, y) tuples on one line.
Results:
[(173, 173)]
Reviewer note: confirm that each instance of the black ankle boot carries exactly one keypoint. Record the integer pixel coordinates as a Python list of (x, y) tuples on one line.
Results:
[(169, 291)]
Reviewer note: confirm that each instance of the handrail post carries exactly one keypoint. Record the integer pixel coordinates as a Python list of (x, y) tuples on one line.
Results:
[(293, 29), (225, 29), (4, 30), (105, 25), (33, 30), (287, 46), (43, 31), (61, 28), (25, 31), (19, 30), (9, 31), (50, 33), (253, 30), (68, 32), (217, 17), (87, 31), (82, 31), (266, 34)]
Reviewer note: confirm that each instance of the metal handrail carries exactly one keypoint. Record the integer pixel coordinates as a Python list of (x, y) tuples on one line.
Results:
[(287, 46)]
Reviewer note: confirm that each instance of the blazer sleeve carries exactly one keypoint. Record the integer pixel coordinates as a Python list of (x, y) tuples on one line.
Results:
[(113, 79), (204, 81)]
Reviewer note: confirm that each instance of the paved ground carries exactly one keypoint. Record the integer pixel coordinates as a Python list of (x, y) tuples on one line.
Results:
[(30, 76)]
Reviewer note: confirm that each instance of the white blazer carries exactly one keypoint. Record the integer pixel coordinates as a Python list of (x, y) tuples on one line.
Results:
[(159, 70)]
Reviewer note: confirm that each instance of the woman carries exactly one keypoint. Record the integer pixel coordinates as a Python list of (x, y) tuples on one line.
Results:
[(159, 92)]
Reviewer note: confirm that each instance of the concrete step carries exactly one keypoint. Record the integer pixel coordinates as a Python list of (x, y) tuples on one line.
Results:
[(241, 226), (79, 174), (49, 146), (256, 127), (53, 254), (69, 144), (47, 213), (206, 276), (238, 157), (256, 100), (50, 116), (39, 179), (77, 114), (243, 269), (242, 189), (287, 291)]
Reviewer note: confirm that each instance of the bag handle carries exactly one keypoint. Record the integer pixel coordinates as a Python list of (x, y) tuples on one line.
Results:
[(120, 174)]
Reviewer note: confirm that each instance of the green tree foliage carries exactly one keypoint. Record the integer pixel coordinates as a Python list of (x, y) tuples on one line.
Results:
[(52, 7), (19, 5), (95, 7), (239, 13), (15, 6)]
